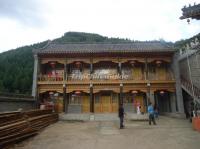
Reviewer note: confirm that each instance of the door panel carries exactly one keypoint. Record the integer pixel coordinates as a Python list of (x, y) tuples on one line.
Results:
[(114, 107), (97, 105), (59, 105), (85, 104), (105, 104), (161, 73), (114, 103), (137, 73)]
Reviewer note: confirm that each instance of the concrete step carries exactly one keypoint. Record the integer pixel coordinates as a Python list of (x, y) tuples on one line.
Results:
[(101, 117)]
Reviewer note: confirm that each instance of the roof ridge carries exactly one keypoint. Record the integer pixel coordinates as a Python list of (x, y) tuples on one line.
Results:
[(44, 47), (98, 43)]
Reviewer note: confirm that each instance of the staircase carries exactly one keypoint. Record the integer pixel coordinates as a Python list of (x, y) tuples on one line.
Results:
[(187, 86)]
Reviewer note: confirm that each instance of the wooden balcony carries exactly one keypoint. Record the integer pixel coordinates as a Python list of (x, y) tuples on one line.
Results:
[(161, 77), (51, 78)]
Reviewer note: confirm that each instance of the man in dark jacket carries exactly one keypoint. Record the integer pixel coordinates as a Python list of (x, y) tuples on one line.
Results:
[(121, 115)]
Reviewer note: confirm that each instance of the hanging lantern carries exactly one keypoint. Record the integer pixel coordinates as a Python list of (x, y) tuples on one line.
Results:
[(188, 21), (78, 64), (77, 92), (132, 63), (158, 63), (162, 92), (134, 92), (51, 93), (53, 64)]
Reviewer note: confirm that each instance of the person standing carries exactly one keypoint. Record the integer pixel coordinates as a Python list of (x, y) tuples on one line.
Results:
[(151, 114), (121, 116), (138, 109)]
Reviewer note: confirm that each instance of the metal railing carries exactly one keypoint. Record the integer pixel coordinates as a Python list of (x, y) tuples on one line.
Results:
[(190, 89)]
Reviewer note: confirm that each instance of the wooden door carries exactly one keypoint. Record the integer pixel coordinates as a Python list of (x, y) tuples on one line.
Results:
[(137, 73), (114, 103), (85, 104), (105, 104), (97, 104), (59, 104), (161, 73)]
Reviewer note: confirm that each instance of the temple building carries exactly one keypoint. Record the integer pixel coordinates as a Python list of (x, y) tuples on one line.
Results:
[(96, 78)]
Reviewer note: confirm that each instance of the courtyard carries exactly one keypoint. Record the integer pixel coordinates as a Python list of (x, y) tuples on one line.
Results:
[(169, 133)]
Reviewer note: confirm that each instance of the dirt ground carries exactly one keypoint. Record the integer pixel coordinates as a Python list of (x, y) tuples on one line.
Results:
[(169, 133)]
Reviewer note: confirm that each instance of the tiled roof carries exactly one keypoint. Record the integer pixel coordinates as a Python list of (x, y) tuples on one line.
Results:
[(191, 12), (107, 48)]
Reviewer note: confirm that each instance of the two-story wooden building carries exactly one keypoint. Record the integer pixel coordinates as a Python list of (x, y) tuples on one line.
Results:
[(82, 78)]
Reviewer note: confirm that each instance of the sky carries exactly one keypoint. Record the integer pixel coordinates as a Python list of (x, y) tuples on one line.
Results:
[(25, 22)]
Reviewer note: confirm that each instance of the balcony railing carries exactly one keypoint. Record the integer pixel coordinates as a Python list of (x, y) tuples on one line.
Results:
[(50, 78), (155, 76), (81, 77), (85, 77)]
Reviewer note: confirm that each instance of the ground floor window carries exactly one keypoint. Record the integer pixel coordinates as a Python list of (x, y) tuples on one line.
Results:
[(75, 99)]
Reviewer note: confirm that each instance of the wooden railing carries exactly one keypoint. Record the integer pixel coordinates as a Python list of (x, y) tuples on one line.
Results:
[(166, 76), (80, 77), (85, 77), (50, 78)]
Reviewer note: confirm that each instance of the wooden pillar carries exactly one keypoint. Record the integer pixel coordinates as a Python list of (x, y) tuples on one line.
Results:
[(65, 71), (65, 99), (65, 106), (168, 98), (148, 94), (121, 94), (91, 69), (91, 99), (120, 68), (146, 69)]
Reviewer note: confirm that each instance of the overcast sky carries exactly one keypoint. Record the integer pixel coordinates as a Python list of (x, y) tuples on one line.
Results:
[(24, 22)]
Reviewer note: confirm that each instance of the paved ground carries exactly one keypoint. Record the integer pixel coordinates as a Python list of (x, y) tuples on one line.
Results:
[(168, 134)]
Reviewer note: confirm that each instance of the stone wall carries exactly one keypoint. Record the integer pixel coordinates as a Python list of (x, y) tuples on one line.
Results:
[(176, 71), (14, 104)]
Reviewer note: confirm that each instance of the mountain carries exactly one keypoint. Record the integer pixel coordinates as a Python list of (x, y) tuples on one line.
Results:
[(16, 66), (181, 43), (80, 37)]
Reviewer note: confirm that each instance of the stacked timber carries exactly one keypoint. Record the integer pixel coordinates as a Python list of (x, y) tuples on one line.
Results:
[(17, 126)]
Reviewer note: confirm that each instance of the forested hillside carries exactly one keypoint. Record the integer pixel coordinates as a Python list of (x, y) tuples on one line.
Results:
[(182, 43), (16, 69)]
